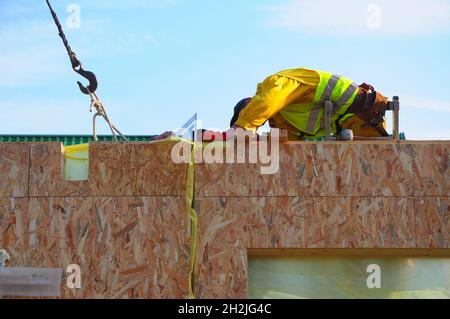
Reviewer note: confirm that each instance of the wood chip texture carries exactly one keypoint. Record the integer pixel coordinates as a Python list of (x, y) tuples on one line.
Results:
[(128, 225)]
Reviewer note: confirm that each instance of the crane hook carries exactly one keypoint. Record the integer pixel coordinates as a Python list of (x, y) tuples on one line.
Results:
[(90, 76), (76, 64)]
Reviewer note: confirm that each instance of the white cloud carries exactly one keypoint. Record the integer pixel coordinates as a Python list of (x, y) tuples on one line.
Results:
[(425, 104), (429, 135), (353, 17)]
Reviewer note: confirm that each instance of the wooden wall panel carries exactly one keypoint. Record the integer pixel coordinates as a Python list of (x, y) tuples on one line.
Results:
[(151, 239), (128, 228), (229, 226), (431, 167), (237, 179), (432, 222), (314, 169), (386, 222), (344, 169), (210, 179), (114, 170), (221, 254), (306, 170), (135, 169), (14, 159), (47, 172), (127, 247), (11, 211)]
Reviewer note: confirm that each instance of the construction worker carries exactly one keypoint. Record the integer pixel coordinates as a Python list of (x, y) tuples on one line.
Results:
[(294, 100)]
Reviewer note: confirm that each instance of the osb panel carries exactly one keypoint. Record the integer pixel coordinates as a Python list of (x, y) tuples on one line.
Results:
[(135, 169), (305, 170), (11, 209), (47, 172), (210, 179), (128, 247), (221, 263), (236, 179), (151, 237), (14, 166), (114, 170), (386, 222), (346, 170), (247, 180), (317, 169), (432, 222), (431, 166), (228, 226)]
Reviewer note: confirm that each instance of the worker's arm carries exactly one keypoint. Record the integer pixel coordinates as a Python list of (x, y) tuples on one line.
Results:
[(272, 95), (163, 136)]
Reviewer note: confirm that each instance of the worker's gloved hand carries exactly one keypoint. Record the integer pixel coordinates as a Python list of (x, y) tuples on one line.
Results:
[(211, 136), (164, 135)]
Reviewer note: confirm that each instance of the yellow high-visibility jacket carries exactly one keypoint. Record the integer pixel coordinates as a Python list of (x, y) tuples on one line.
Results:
[(289, 100)]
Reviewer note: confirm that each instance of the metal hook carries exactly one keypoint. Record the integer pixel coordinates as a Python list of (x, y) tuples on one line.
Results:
[(90, 76)]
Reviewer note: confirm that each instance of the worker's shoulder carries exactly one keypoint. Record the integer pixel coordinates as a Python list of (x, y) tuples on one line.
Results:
[(298, 71), (300, 74)]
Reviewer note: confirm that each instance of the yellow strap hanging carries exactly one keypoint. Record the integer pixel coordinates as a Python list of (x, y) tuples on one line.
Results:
[(189, 198)]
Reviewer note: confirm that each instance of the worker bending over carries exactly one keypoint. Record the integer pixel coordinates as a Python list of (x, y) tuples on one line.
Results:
[(294, 100)]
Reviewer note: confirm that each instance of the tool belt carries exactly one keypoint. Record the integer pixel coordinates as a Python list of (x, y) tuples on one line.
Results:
[(370, 106)]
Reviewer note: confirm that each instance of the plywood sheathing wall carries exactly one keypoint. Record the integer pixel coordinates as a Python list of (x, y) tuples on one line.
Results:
[(14, 167), (326, 195), (129, 227), (114, 170)]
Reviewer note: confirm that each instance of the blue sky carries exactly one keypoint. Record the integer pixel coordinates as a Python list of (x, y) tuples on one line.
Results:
[(160, 61)]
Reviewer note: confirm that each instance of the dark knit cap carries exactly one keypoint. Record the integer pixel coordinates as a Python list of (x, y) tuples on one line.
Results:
[(238, 108)]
